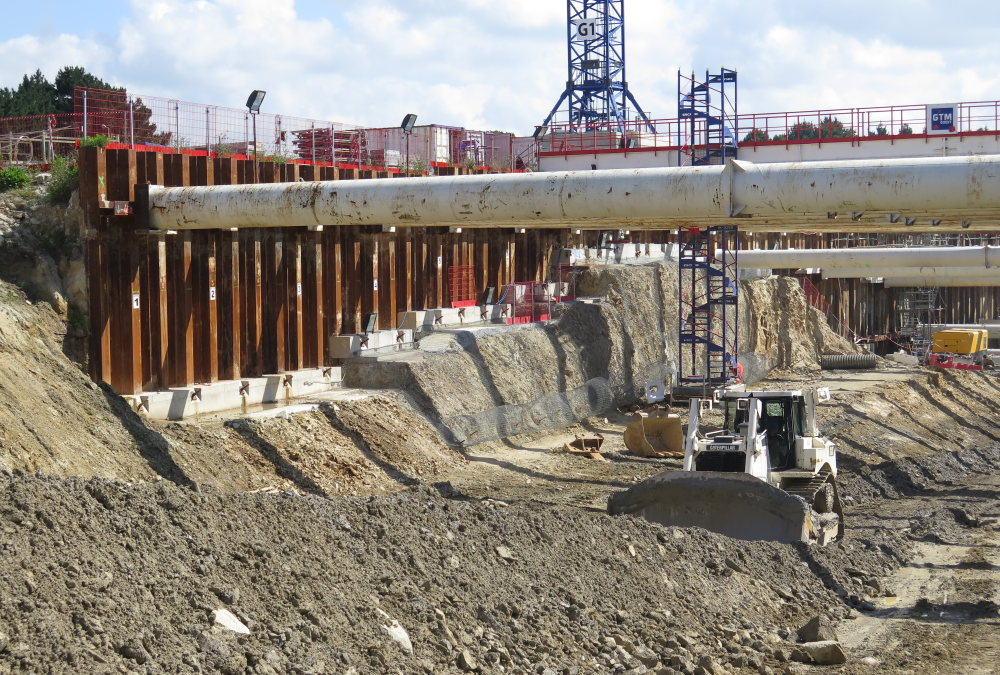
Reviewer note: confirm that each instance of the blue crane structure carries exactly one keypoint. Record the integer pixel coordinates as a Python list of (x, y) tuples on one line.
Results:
[(707, 265), (596, 92)]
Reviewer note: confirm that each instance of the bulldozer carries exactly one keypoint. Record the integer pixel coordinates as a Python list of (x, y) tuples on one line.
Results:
[(767, 475)]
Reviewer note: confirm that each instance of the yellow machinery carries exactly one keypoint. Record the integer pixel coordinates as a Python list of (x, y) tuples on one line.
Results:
[(960, 349), (960, 341)]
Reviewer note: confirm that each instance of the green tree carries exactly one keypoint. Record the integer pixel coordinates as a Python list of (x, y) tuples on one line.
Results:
[(756, 136), (37, 96), (34, 96), (71, 77), (834, 128), (800, 131)]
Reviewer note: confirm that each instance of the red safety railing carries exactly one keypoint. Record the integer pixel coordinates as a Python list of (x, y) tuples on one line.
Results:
[(565, 290), (813, 295), (527, 302), (850, 125), (462, 285)]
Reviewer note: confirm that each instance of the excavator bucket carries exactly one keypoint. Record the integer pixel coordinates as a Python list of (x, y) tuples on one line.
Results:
[(656, 435), (736, 505)]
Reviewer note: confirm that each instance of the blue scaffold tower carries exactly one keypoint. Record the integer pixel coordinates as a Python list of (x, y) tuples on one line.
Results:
[(709, 299), (708, 118), (597, 94)]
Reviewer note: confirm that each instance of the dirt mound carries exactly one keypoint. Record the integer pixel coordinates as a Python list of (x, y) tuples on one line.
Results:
[(58, 421), (101, 576), (934, 428), (780, 330)]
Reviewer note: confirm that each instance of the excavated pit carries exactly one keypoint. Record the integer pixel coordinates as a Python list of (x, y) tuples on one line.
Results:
[(329, 533)]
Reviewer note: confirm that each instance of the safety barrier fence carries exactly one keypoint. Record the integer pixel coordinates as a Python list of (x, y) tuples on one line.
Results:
[(170, 126), (462, 285), (850, 125)]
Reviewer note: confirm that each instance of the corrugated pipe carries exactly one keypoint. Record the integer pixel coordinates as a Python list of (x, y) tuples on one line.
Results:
[(848, 362)]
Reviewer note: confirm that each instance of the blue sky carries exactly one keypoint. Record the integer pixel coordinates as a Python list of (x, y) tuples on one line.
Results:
[(500, 64)]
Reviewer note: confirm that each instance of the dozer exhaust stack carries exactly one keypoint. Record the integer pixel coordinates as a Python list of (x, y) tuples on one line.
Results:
[(733, 504)]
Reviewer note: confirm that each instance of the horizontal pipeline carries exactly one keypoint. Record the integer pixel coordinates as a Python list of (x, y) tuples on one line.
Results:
[(993, 327), (861, 257), (938, 282), (889, 191), (926, 272)]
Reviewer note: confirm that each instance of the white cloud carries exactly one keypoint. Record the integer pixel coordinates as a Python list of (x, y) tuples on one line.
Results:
[(501, 63), (26, 54)]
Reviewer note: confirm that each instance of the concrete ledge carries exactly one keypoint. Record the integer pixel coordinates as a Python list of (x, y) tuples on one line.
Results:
[(178, 403), (429, 319), (630, 252), (352, 346)]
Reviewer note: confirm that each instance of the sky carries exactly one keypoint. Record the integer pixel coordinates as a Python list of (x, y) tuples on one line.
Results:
[(501, 64)]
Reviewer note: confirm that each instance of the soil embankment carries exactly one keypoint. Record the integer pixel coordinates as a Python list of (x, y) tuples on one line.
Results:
[(489, 383)]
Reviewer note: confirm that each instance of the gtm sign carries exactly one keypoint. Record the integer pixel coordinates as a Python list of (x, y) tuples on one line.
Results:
[(942, 118)]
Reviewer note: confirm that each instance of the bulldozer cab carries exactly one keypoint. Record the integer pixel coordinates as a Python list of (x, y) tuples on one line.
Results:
[(781, 417)]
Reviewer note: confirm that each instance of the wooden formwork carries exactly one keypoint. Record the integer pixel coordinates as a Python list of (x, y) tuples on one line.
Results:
[(207, 305)]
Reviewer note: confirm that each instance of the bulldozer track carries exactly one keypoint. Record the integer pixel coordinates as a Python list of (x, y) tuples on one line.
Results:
[(806, 487)]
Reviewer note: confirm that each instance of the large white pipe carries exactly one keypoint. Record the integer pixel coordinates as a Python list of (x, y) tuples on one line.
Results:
[(926, 256), (937, 282), (993, 327), (857, 195), (927, 272)]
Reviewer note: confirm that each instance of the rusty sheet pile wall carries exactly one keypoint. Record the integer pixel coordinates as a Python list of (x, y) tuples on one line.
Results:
[(198, 307)]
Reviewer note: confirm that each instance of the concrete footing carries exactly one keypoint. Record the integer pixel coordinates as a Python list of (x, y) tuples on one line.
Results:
[(175, 404)]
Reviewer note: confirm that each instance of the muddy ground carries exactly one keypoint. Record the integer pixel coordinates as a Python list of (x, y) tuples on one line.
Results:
[(505, 562), (331, 532)]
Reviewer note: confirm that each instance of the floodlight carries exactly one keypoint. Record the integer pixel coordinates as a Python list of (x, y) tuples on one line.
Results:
[(256, 98), (408, 123)]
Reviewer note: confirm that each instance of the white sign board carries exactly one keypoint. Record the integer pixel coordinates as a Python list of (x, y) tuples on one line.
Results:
[(584, 30), (942, 119)]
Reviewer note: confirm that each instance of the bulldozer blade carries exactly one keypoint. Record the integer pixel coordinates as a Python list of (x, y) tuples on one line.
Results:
[(736, 505), (655, 436)]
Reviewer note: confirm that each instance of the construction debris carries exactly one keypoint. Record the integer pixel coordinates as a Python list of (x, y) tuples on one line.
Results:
[(586, 444), (655, 433)]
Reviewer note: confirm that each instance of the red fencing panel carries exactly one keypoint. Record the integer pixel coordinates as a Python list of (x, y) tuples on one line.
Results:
[(462, 285)]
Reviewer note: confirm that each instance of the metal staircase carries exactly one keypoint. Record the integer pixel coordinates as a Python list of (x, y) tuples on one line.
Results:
[(709, 307)]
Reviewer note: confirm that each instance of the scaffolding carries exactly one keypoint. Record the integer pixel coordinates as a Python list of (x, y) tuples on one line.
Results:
[(709, 308), (708, 118)]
